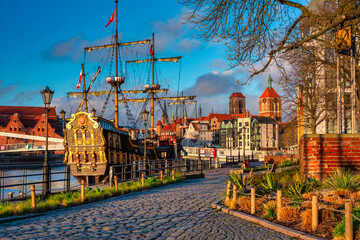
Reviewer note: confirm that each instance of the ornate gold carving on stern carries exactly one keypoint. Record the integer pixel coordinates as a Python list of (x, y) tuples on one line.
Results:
[(68, 125)]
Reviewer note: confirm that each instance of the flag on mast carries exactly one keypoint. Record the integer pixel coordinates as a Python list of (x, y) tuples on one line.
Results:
[(78, 85), (152, 50), (112, 19)]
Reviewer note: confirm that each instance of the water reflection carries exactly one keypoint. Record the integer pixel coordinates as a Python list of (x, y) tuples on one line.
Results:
[(19, 175)]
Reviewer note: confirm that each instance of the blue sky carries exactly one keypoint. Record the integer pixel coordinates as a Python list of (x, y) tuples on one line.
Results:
[(41, 44)]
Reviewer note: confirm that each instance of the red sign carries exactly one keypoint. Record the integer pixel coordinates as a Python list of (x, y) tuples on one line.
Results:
[(202, 150), (2, 148), (213, 152), (82, 120)]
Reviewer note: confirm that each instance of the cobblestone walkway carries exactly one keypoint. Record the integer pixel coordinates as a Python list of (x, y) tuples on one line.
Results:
[(180, 211)]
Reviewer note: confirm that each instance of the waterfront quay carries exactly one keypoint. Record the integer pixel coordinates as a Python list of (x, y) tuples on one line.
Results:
[(179, 211)]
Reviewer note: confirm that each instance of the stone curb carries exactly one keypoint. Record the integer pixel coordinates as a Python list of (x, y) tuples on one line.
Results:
[(31, 215), (265, 223)]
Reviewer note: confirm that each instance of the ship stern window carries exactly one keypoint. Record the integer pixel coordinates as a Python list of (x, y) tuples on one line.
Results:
[(87, 134), (81, 156), (89, 157), (79, 135), (73, 157)]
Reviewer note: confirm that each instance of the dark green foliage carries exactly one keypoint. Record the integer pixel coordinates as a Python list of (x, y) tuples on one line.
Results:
[(241, 181), (339, 229), (343, 180)]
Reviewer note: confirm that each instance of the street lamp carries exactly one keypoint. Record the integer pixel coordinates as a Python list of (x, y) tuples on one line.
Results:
[(243, 141), (47, 95), (145, 116), (62, 115)]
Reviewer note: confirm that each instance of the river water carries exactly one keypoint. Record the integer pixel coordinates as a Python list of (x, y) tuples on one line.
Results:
[(18, 173)]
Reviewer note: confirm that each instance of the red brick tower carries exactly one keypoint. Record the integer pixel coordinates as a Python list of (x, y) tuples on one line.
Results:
[(270, 103), (236, 103)]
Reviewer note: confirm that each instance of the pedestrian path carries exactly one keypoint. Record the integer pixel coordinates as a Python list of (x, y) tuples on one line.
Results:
[(179, 211)]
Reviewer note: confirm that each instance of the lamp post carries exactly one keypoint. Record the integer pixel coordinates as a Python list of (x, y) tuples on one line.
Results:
[(145, 116), (201, 170), (62, 115), (47, 97), (243, 141)]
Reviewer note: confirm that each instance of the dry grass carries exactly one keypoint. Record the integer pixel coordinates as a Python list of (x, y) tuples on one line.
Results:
[(290, 213), (307, 195), (343, 192), (306, 218), (306, 204), (244, 204), (335, 199), (355, 195), (326, 215), (232, 204)]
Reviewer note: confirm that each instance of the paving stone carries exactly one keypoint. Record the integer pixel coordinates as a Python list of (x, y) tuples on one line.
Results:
[(179, 211)]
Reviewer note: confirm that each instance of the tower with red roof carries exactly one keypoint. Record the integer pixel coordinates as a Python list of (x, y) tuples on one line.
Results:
[(270, 103), (236, 103)]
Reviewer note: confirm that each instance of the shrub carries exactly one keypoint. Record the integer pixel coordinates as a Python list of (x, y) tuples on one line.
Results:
[(269, 182), (270, 209), (343, 180), (244, 204), (232, 204), (241, 181), (296, 190), (339, 229), (4, 204)]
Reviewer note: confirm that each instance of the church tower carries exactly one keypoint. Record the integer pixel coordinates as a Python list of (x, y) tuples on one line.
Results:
[(236, 103), (270, 103), (165, 117)]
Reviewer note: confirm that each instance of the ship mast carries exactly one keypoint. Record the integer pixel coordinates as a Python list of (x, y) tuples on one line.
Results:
[(152, 93), (116, 85)]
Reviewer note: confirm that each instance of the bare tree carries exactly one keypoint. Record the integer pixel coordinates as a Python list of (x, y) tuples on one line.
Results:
[(259, 31), (311, 72)]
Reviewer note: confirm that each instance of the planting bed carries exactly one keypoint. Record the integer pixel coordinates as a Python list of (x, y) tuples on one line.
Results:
[(295, 196)]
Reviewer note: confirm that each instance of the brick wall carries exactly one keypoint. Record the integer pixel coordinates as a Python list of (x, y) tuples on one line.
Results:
[(323, 153)]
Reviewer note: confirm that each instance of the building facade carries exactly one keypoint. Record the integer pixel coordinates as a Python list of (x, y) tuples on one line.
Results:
[(236, 103), (28, 121)]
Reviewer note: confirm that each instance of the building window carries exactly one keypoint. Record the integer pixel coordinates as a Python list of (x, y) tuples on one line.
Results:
[(10, 129), (19, 128), (38, 129), (14, 129), (42, 129), (247, 124)]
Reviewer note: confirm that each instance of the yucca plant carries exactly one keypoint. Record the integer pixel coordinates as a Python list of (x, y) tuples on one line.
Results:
[(343, 180), (241, 181), (270, 209), (68, 194), (269, 182)]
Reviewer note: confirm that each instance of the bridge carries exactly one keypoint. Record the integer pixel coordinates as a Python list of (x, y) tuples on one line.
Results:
[(55, 144)]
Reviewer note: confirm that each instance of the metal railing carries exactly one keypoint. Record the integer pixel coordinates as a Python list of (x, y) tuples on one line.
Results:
[(32, 174)]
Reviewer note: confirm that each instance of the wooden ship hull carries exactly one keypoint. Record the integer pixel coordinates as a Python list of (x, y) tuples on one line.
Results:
[(92, 145)]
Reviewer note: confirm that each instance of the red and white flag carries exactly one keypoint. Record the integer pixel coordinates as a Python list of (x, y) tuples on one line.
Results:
[(112, 19), (78, 85), (152, 50)]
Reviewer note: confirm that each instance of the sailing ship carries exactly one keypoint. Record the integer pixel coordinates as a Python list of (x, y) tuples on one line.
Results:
[(94, 144)]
